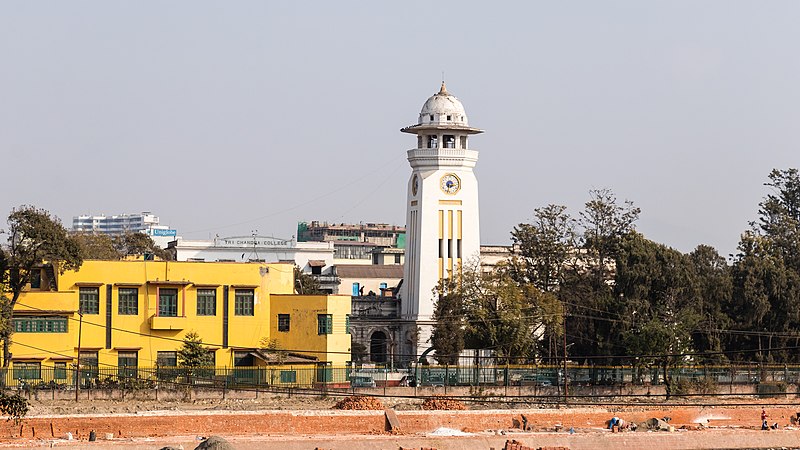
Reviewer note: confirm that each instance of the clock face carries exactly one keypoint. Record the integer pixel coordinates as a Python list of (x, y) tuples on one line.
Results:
[(414, 185), (450, 183)]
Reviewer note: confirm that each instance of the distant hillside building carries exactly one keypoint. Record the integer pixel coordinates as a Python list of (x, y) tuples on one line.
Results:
[(353, 243), (145, 222)]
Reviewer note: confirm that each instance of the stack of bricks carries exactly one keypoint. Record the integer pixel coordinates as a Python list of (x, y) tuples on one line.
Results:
[(516, 445)]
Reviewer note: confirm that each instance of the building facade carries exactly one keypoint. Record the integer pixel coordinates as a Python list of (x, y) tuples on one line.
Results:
[(442, 211), (314, 258), (353, 243), (146, 222), (136, 314)]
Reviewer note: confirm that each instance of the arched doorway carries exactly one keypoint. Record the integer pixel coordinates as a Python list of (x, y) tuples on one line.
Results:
[(377, 347)]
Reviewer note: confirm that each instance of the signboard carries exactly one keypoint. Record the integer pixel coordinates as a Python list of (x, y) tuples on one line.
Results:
[(250, 241), (161, 232)]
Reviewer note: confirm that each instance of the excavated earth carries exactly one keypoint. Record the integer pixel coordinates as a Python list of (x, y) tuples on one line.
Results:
[(311, 422)]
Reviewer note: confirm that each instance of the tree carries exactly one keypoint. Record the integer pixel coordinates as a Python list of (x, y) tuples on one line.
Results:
[(588, 286), (488, 310), (542, 249), (305, 284), (193, 356), (135, 243), (714, 287), (96, 246), (604, 224), (34, 238), (447, 338), (766, 273)]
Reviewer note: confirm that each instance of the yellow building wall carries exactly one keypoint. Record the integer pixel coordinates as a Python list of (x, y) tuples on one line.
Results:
[(303, 336), (146, 332)]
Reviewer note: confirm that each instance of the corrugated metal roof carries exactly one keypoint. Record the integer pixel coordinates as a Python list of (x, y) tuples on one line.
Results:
[(369, 271)]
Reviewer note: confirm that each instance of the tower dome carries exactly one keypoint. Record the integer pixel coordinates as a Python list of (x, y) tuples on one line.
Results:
[(443, 108)]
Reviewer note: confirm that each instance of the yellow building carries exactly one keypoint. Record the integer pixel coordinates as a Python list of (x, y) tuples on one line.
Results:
[(135, 314)]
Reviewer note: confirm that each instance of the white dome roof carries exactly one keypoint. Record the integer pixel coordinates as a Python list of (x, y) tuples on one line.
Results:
[(443, 107)]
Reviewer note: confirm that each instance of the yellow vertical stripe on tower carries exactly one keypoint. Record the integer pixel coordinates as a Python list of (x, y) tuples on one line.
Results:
[(441, 224), (450, 224), (459, 222)]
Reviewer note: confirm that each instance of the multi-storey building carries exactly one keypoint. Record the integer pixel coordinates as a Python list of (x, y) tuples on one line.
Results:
[(353, 243), (136, 313), (145, 222)]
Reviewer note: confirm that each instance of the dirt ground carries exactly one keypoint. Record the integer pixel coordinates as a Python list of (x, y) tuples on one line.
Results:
[(308, 422)]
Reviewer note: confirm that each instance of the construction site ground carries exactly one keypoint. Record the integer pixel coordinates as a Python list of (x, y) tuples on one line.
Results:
[(309, 422)]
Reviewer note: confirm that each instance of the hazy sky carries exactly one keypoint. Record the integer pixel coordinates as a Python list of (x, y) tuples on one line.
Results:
[(228, 117)]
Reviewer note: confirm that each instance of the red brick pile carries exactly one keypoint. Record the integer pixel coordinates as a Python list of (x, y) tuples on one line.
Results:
[(442, 403), (361, 402), (517, 445)]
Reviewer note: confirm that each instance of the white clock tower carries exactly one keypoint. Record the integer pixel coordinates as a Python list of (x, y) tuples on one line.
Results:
[(442, 222)]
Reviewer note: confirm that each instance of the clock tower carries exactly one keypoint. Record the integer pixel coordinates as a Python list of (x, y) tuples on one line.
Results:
[(442, 222)]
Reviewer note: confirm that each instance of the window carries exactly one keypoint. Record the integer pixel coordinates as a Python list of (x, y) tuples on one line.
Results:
[(375, 259), (244, 303), (356, 289), (383, 286), (36, 279), (168, 302), (167, 359), (324, 323), (40, 324), (60, 370), (88, 362), (449, 140), (27, 370), (433, 141), (89, 300), (127, 363), (283, 322), (397, 259), (431, 117), (128, 301), (347, 324), (316, 270), (449, 117), (206, 302), (288, 376)]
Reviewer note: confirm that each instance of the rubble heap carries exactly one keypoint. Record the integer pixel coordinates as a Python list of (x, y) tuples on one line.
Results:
[(361, 402), (442, 403)]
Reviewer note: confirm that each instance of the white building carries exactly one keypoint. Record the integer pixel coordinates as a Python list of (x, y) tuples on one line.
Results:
[(442, 223), (146, 222), (311, 257)]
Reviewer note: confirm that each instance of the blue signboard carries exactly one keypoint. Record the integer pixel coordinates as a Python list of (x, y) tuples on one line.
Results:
[(158, 232)]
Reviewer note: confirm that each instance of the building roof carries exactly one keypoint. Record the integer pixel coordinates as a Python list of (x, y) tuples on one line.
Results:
[(369, 271), (316, 262)]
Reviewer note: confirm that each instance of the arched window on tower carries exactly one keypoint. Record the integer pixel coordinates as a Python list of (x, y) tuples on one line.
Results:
[(433, 141), (449, 141), (463, 142)]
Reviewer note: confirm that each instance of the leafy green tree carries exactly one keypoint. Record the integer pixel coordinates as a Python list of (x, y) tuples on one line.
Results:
[(588, 284), (96, 246), (714, 287), (541, 250), (34, 238), (449, 328), (134, 243), (306, 284), (766, 274), (193, 356)]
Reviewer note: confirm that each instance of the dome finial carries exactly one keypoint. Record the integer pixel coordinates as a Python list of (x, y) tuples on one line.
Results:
[(443, 89)]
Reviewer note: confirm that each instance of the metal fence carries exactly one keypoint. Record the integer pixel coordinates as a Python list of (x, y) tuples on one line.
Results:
[(60, 377)]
